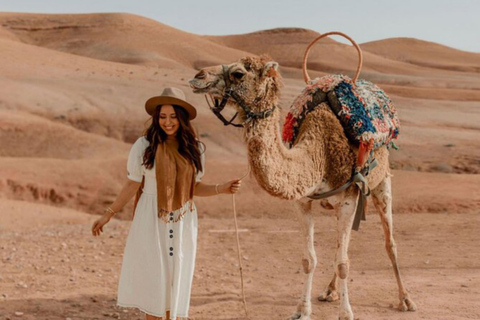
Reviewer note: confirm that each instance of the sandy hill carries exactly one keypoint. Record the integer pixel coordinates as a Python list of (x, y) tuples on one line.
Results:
[(424, 53), (287, 46), (116, 37), (72, 89), (93, 95), (26, 135)]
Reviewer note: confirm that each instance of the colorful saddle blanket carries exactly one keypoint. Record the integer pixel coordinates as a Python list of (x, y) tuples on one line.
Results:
[(364, 110)]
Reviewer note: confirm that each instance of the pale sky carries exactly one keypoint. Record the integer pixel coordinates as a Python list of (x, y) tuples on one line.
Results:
[(455, 23)]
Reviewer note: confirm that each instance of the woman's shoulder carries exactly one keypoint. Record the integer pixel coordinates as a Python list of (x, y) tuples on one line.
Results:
[(141, 143), (201, 146)]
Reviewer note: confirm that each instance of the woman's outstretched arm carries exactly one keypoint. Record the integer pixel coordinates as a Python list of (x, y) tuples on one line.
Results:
[(128, 191), (207, 190)]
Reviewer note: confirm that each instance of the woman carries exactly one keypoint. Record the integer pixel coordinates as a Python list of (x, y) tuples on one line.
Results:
[(165, 166)]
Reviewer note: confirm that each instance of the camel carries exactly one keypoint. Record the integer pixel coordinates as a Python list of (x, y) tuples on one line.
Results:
[(321, 159)]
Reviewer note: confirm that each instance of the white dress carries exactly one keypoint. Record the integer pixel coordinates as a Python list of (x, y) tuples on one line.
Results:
[(159, 257)]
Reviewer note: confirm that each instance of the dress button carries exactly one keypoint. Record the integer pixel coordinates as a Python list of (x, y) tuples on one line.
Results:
[(171, 218), (171, 231), (171, 236), (171, 253), (171, 248), (171, 214)]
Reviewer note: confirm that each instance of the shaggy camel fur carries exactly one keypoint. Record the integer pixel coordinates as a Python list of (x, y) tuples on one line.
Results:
[(321, 160)]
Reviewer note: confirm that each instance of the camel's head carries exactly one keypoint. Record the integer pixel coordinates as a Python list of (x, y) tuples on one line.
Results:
[(253, 81)]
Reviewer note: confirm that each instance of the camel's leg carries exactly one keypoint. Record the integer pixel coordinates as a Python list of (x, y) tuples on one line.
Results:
[(309, 261), (345, 216), (330, 294), (382, 198)]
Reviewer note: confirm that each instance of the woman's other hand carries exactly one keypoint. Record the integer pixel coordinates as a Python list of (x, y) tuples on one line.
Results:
[(231, 187), (97, 227)]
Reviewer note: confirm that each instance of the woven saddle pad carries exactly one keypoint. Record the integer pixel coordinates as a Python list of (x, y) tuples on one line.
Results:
[(364, 110)]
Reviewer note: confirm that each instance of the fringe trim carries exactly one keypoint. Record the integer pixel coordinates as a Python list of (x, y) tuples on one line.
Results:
[(165, 215)]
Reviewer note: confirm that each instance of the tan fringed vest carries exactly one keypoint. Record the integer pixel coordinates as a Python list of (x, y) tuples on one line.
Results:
[(175, 177)]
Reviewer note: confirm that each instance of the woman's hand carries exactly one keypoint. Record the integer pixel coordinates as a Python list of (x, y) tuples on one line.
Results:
[(230, 187), (97, 227)]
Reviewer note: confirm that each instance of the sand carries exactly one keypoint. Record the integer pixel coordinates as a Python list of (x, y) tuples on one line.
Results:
[(72, 89)]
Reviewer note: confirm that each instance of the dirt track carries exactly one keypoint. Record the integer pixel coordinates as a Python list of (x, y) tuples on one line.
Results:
[(54, 269)]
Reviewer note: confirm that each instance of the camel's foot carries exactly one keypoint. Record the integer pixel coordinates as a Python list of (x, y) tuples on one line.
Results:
[(329, 296), (407, 304), (299, 316), (346, 315), (304, 310)]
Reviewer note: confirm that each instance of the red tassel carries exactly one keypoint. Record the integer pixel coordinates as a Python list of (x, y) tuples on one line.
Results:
[(363, 153)]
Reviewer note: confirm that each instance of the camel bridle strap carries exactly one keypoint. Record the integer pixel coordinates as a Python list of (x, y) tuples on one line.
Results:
[(218, 107), (357, 178), (217, 111)]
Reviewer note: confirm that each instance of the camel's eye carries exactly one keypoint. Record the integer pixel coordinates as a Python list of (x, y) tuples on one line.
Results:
[(238, 75)]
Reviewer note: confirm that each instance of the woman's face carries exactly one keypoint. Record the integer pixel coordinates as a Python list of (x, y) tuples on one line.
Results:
[(168, 120)]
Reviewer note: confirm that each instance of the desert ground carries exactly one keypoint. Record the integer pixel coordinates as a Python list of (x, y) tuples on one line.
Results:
[(72, 89)]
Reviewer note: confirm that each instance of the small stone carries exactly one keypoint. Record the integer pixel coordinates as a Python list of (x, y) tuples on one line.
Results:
[(18, 313), (4, 296), (464, 286), (68, 318)]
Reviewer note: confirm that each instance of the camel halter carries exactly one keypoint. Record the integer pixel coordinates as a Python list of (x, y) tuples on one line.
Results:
[(218, 107)]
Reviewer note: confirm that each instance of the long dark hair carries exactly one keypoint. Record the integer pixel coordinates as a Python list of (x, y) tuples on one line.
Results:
[(187, 141)]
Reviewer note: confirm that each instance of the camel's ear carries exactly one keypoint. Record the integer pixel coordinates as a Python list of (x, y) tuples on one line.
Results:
[(271, 68)]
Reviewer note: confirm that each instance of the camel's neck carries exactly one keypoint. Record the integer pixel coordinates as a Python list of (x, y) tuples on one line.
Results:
[(282, 172)]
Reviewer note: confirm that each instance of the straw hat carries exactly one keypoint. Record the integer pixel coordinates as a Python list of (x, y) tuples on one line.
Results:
[(172, 96)]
